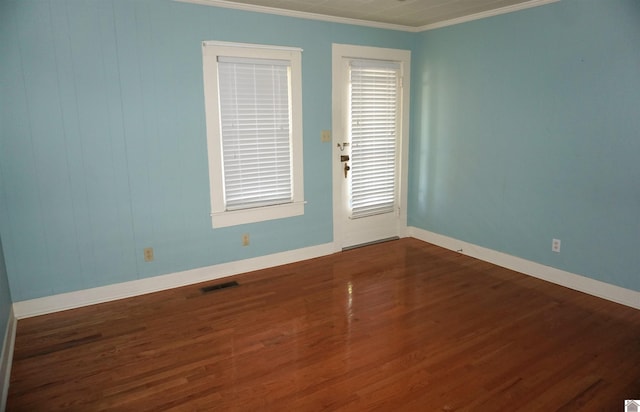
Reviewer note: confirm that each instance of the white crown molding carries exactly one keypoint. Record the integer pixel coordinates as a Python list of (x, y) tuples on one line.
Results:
[(485, 14), (299, 14), (6, 358), (367, 23), (72, 300), (570, 280)]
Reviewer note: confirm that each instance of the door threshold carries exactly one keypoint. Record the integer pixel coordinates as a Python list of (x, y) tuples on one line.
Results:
[(388, 239)]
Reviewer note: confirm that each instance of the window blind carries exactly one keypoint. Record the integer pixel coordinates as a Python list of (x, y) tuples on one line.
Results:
[(374, 112), (255, 122)]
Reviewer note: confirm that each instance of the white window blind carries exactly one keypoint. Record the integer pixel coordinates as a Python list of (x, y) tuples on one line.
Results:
[(255, 123), (374, 110)]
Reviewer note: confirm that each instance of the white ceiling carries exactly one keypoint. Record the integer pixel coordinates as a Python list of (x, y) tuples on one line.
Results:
[(413, 15)]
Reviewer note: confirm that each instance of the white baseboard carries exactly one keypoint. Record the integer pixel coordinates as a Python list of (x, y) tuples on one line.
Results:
[(560, 277), (6, 359), (71, 300)]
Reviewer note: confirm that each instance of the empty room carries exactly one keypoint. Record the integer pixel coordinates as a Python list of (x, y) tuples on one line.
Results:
[(344, 205)]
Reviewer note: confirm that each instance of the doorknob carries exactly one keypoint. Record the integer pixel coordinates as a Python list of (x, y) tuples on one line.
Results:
[(346, 170)]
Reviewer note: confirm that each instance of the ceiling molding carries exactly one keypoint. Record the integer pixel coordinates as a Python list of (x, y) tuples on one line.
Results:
[(300, 14), (489, 13), (367, 23)]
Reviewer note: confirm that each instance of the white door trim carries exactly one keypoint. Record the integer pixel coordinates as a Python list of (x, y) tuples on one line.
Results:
[(339, 52)]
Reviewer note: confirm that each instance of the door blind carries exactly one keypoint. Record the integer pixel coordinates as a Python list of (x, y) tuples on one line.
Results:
[(374, 109), (255, 123)]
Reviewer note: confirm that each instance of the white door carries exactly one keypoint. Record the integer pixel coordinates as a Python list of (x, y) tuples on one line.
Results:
[(370, 141)]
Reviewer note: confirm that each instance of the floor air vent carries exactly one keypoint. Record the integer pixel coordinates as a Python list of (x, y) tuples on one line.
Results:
[(219, 286)]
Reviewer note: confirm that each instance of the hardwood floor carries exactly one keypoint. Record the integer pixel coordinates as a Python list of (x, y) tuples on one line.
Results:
[(399, 326)]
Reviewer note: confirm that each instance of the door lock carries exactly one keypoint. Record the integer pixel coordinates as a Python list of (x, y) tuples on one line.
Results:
[(344, 158)]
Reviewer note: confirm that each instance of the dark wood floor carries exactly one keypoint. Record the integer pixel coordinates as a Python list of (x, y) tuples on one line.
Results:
[(399, 326)]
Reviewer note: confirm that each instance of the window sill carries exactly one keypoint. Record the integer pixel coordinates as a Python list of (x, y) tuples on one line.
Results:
[(259, 214)]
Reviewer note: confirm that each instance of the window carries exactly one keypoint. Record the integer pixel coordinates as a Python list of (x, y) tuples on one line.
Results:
[(253, 102), (374, 114)]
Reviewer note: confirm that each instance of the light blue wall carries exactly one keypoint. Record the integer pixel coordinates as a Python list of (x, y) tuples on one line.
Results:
[(526, 127), (103, 146)]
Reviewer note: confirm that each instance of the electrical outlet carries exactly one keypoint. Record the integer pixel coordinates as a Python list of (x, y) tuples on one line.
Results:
[(555, 245), (245, 239), (325, 136), (148, 254)]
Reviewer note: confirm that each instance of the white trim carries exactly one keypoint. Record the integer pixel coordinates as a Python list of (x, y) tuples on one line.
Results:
[(377, 227), (258, 214), (560, 277), (220, 215), (299, 14), (485, 14), (215, 43), (357, 22), (6, 358), (72, 300)]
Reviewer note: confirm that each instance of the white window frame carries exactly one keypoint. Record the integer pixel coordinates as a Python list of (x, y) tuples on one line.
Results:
[(220, 216)]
